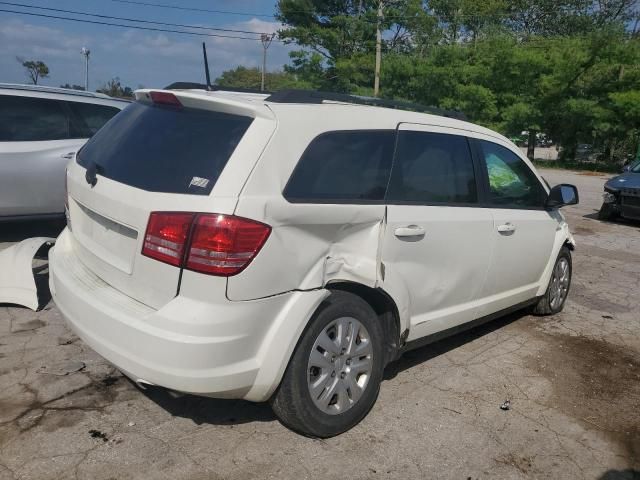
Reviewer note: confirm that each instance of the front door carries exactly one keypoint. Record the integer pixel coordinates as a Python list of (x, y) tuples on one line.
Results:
[(523, 231)]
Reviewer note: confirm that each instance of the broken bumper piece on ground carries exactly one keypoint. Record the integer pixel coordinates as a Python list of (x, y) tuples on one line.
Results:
[(17, 284)]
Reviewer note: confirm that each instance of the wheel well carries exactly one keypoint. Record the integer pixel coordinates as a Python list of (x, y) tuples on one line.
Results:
[(385, 308), (569, 245)]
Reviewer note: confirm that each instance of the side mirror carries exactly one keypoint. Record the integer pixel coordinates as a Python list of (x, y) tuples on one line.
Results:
[(561, 195)]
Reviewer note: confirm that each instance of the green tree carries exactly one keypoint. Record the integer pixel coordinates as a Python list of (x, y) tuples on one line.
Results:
[(35, 69), (72, 87), (250, 78), (565, 68), (114, 88)]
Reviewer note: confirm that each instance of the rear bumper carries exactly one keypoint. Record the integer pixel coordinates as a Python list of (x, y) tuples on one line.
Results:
[(224, 349)]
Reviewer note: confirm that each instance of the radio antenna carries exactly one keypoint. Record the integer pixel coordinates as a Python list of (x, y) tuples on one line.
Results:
[(206, 66)]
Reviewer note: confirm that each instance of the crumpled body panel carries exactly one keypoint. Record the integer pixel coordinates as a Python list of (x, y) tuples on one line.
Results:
[(310, 246), (17, 284)]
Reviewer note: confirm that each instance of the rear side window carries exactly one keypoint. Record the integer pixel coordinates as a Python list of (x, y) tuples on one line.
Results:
[(24, 119), (511, 181), (89, 118), (432, 168), (343, 166), (165, 149)]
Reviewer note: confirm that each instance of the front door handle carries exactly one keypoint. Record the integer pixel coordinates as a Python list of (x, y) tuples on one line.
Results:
[(409, 231), (69, 155), (507, 228)]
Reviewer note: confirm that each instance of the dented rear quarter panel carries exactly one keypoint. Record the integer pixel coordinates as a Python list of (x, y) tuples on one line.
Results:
[(310, 245)]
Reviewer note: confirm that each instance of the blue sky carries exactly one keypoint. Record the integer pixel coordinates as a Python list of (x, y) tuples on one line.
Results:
[(151, 59)]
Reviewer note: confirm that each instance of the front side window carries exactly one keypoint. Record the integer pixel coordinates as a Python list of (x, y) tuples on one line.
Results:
[(432, 168), (511, 181), (89, 118), (25, 119), (343, 166)]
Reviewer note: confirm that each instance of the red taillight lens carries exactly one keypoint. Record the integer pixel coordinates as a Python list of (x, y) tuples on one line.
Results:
[(224, 244), (166, 236), (221, 245), (165, 98)]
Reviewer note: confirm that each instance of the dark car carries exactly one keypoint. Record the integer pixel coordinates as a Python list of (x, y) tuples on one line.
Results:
[(630, 166), (622, 196)]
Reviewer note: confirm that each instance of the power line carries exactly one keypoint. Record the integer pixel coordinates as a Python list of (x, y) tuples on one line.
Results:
[(193, 9), (74, 12), (459, 16), (136, 27)]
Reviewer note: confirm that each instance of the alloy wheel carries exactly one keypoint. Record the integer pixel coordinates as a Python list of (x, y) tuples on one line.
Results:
[(340, 365)]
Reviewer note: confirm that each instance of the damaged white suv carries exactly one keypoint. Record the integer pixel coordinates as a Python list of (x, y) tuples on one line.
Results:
[(286, 248)]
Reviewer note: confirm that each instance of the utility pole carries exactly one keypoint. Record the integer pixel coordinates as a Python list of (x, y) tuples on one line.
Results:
[(85, 52), (376, 82), (266, 40)]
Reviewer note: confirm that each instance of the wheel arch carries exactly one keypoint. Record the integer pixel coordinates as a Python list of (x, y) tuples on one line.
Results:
[(563, 239), (384, 306)]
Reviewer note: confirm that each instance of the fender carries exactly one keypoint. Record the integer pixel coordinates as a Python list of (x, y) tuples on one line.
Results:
[(563, 236)]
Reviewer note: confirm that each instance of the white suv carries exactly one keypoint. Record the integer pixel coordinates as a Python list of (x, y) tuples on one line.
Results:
[(41, 128), (286, 248)]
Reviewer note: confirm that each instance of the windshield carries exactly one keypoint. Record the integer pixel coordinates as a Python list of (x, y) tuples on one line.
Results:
[(165, 149), (636, 167)]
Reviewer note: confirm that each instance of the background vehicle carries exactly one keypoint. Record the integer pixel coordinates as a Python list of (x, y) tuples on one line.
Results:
[(286, 248), (622, 196), (41, 128), (630, 166)]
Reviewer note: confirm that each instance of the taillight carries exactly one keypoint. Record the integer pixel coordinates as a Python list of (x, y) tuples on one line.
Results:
[(222, 245), (165, 98), (166, 236)]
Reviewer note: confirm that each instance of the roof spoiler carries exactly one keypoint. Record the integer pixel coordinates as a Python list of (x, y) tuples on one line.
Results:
[(212, 88)]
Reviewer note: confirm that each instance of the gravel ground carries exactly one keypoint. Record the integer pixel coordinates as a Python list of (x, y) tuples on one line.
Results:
[(573, 381)]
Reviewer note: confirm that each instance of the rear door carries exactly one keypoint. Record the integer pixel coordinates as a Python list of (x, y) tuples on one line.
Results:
[(438, 240), (163, 157), (35, 144), (524, 232)]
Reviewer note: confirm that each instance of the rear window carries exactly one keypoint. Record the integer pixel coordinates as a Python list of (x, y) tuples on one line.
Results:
[(165, 149), (343, 166)]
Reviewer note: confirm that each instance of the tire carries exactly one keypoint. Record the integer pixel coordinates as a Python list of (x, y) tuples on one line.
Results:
[(548, 303), (606, 212), (339, 403)]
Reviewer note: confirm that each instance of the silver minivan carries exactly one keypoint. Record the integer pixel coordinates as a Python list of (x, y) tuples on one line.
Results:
[(41, 128)]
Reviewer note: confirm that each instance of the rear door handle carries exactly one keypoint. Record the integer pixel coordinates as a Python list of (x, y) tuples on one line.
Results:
[(507, 228), (68, 156), (409, 231)]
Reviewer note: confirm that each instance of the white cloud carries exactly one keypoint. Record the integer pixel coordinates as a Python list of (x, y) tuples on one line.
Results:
[(138, 57), (39, 40)]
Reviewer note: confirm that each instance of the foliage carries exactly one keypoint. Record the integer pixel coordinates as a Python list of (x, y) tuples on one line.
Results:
[(250, 78), (72, 87), (114, 88), (35, 69), (567, 68)]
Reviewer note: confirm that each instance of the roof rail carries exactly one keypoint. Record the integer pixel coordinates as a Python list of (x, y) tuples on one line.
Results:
[(311, 96), (45, 89), (213, 88)]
